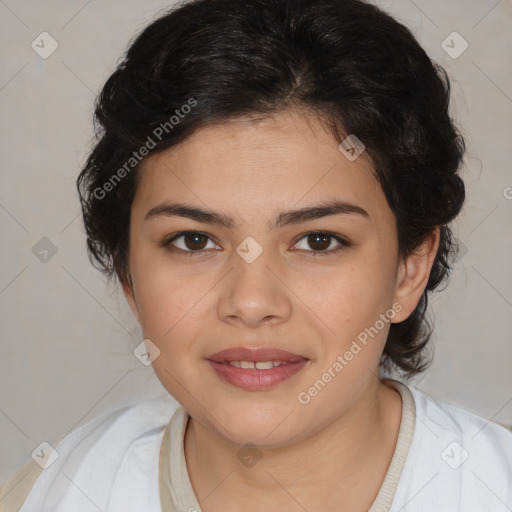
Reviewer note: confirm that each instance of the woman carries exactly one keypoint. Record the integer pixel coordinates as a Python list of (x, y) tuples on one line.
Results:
[(272, 185)]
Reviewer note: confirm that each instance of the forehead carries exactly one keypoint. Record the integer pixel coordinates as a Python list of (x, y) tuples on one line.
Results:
[(248, 167)]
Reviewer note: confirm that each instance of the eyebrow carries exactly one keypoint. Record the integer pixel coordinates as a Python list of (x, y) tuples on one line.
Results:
[(285, 218)]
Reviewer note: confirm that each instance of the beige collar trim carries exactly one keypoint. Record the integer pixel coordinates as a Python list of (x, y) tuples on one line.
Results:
[(173, 474), (388, 488)]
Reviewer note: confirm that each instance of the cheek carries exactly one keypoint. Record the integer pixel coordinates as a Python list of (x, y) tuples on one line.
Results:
[(172, 312), (357, 291), (169, 301), (350, 303)]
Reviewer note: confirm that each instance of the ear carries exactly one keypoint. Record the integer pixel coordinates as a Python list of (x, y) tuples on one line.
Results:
[(130, 297), (413, 274)]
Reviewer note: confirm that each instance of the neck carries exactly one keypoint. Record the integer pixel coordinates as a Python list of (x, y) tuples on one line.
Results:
[(347, 460)]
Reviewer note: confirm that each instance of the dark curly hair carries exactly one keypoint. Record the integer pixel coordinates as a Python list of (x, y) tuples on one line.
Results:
[(357, 68)]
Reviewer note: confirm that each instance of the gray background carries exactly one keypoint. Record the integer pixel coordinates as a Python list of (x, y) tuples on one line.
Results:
[(67, 338)]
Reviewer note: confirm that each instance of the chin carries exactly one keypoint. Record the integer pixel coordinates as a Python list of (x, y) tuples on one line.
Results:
[(259, 424)]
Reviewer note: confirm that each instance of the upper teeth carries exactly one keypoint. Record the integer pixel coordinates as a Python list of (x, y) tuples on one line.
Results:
[(260, 365)]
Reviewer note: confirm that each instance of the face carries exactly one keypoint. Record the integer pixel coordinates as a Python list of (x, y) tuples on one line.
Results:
[(250, 273)]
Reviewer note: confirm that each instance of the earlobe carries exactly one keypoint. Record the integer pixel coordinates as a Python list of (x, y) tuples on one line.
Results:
[(413, 274), (130, 298)]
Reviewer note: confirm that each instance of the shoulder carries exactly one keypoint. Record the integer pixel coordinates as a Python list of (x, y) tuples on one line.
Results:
[(457, 460), (83, 470), (481, 437)]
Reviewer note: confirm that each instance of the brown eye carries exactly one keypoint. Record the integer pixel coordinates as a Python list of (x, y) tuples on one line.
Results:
[(189, 242), (320, 241), (195, 241)]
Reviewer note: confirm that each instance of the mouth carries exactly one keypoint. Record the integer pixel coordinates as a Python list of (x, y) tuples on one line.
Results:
[(257, 368)]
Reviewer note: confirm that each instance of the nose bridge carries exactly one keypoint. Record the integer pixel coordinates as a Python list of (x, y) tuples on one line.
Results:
[(251, 291), (252, 262)]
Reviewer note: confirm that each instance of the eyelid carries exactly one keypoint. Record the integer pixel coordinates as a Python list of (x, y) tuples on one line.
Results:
[(166, 242), (337, 236), (344, 242)]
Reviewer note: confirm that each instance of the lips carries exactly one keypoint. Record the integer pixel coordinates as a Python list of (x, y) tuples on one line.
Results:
[(255, 355), (256, 369)]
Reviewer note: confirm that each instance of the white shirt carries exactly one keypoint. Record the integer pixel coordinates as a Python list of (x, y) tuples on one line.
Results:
[(446, 459)]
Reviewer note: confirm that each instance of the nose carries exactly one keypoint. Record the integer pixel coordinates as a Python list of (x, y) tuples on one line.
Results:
[(254, 292)]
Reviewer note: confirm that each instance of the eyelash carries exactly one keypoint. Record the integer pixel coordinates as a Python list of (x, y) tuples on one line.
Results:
[(344, 244)]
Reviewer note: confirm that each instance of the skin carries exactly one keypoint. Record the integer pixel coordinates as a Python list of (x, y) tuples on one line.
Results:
[(337, 448)]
